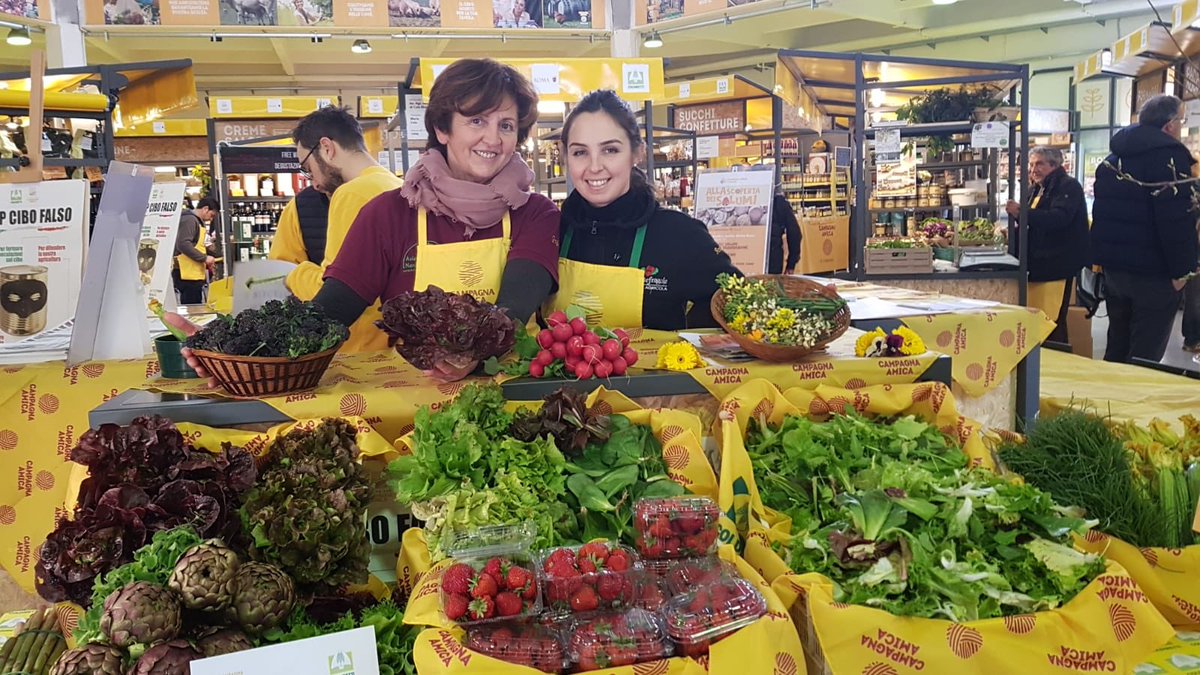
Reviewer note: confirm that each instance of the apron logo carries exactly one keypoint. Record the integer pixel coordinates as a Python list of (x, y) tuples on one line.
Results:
[(591, 305), (470, 273)]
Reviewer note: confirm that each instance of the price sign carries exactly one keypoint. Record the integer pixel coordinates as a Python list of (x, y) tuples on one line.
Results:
[(224, 106), (274, 105)]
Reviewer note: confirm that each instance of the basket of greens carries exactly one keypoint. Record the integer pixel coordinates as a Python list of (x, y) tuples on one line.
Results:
[(281, 348)]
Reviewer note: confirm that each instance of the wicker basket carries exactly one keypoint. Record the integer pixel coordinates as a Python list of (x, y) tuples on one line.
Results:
[(254, 377), (793, 287)]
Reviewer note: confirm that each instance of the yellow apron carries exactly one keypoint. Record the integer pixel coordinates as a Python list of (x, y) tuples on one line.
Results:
[(190, 270), (611, 296), (471, 267)]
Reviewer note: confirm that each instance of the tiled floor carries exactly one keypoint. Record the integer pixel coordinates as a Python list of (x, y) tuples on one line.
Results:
[(1175, 355)]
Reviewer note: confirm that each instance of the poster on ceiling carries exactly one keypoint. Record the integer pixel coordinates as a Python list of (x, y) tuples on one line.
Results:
[(131, 13), (28, 9), (249, 12), (517, 13), (305, 12), (414, 13), (568, 13), (663, 10)]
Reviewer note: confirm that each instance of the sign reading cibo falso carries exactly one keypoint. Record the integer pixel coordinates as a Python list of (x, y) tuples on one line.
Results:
[(350, 652), (712, 119)]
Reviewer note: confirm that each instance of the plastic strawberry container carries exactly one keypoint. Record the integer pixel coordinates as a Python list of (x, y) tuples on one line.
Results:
[(520, 643), (650, 591), (512, 589), (696, 620), (588, 578), (687, 574), (615, 639), (675, 527)]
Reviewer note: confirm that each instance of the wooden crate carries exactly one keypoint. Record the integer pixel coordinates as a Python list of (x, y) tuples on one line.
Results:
[(899, 260)]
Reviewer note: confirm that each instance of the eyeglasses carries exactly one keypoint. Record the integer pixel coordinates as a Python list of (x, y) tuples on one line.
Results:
[(303, 171)]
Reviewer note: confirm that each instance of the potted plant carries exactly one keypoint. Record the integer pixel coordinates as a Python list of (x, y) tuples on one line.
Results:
[(947, 105)]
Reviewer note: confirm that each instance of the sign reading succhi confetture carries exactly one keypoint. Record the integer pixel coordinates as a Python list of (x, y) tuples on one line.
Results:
[(712, 119)]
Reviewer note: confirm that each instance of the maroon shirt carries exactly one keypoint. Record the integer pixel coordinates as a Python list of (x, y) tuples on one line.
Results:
[(378, 260)]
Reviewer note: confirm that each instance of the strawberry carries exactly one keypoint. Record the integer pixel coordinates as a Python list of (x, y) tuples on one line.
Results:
[(481, 608), (484, 587), (660, 528), (518, 579), (652, 597), (559, 557), (508, 604), (610, 588), (495, 569), (701, 601), (689, 524), (618, 560), (587, 566), (456, 606), (530, 592), (457, 579), (597, 551), (653, 548), (696, 544), (584, 600)]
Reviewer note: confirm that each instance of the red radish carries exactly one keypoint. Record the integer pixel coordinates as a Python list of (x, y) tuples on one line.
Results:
[(590, 354), (590, 338), (574, 345), (561, 332), (612, 349), (578, 326), (544, 358), (558, 350), (545, 339), (622, 336), (536, 369), (556, 318), (583, 370), (630, 356), (603, 369), (619, 366), (570, 362)]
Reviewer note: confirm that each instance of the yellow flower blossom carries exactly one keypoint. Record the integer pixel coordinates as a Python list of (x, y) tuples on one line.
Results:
[(866, 340), (756, 335), (913, 344), (783, 319), (678, 356), (739, 323)]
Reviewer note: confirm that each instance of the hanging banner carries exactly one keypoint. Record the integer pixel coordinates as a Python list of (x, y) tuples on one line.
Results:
[(43, 243), (736, 207), (156, 247), (723, 118), (825, 244)]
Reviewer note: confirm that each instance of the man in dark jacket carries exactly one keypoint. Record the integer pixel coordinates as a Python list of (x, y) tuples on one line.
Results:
[(1058, 235), (783, 223), (191, 255), (1144, 230)]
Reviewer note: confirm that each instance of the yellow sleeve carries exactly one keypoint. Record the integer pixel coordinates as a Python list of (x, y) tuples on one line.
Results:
[(288, 244), (306, 280)]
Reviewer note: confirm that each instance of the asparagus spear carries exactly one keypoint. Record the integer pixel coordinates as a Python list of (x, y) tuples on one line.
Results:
[(21, 652), (45, 639), (49, 656), (7, 650)]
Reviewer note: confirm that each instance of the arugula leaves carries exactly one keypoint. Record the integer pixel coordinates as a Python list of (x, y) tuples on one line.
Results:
[(892, 514)]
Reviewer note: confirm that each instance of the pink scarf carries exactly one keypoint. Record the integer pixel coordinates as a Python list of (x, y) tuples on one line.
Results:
[(478, 206)]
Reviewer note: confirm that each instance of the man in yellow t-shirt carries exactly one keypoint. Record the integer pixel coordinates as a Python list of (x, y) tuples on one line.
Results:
[(333, 155), (303, 226)]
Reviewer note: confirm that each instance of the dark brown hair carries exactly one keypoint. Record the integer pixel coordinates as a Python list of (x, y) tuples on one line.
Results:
[(332, 122), (607, 102), (472, 87)]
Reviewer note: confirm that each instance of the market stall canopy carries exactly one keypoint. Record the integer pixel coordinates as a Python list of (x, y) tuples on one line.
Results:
[(568, 80), (824, 83), (1143, 51), (145, 91), (728, 88)]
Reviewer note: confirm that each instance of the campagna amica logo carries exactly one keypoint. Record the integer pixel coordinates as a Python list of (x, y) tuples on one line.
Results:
[(470, 273)]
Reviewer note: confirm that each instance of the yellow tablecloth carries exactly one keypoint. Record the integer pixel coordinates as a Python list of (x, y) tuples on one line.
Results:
[(1126, 393)]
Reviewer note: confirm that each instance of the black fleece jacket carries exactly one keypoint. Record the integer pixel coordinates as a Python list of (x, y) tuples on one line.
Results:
[(680, 259), (1141, 230), (1058, 228)]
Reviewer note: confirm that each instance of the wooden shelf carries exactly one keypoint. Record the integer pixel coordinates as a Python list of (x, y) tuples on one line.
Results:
[(937, 166)]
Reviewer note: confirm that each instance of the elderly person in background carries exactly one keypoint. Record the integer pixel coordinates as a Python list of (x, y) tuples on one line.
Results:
[(1058, 235)]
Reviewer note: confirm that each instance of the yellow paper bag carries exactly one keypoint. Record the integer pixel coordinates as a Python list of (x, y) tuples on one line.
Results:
[(1110, 627), (1170, 577)]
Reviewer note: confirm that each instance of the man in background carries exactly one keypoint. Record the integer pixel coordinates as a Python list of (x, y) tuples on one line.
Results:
[(1143, 231), (334, 157), (192, 262), (301, 233)]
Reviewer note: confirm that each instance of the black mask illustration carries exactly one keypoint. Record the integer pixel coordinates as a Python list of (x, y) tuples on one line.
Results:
[(23, 297), (146, 257)]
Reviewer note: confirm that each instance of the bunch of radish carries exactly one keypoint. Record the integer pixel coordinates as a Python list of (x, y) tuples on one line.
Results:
[(583, 353)]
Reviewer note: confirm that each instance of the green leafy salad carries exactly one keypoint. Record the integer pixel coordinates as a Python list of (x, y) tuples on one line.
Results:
[(890, 511)]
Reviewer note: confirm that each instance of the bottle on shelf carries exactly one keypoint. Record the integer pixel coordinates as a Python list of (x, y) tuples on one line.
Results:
[(266, 185)]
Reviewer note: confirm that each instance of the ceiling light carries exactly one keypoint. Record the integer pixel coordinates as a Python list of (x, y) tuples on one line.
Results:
[(361, 46), (654, 41), (944, 2), (1106, 57), (19, 37)]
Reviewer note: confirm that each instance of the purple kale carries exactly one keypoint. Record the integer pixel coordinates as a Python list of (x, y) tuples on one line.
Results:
[(432, 325)]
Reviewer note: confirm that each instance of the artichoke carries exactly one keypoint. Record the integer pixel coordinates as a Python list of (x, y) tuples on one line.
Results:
[(205, 576), (167, 658), (140, 613), (225, 641), (264, 597), (94, 659)]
